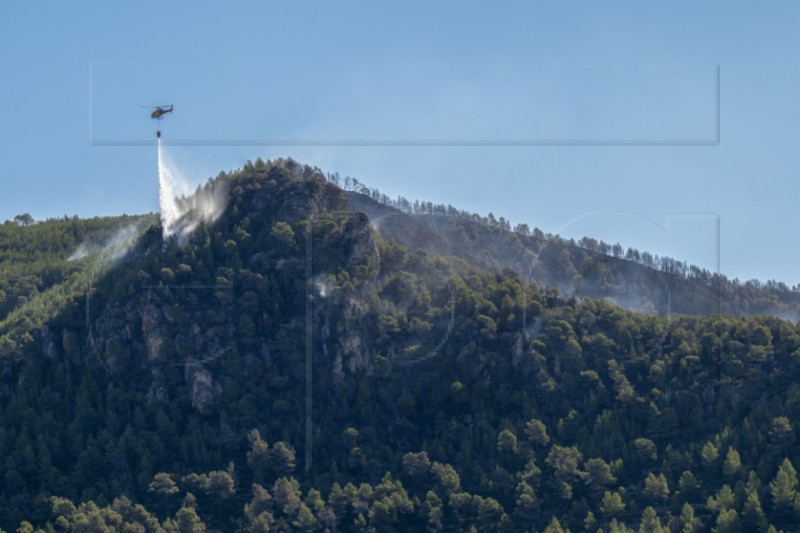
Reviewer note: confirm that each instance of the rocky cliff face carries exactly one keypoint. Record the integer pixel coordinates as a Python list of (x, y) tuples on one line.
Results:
[(203, 390), (338, 320), (344, 339), (168, 324)]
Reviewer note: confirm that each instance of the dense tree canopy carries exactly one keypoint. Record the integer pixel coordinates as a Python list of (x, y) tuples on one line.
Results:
[(172, 395)]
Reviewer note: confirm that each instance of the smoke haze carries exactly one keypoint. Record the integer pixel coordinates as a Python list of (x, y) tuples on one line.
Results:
[(111, 250)]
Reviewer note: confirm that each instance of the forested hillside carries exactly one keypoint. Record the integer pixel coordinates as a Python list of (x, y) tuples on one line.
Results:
[(45, 265), (172, 394), (587, 268)]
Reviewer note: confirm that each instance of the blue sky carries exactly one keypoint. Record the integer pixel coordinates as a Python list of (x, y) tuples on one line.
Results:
[(75, 140)]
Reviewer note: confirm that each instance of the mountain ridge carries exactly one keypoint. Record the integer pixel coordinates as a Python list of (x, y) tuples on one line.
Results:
[(577, 270), (445, 395)]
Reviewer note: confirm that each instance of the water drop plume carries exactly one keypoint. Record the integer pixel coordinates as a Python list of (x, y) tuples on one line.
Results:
[(181, 209)]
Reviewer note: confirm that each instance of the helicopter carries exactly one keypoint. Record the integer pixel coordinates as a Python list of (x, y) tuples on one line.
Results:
[(158, 112)]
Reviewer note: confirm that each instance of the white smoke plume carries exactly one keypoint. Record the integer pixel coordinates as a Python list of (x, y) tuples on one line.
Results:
[(322, 285), (182, 209), (108, 252)]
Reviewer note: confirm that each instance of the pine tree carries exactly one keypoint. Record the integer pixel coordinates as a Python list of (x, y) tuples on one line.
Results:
[(527, 504), (564, 461), (304, 519), (555, 527), (537, 433), (186, 519), (784, 490), (447, 477), (651, 523), (688, 522), (656, 487), (782, 434), (164, 485), (612, 504), (281, 459), (598, 475), (753, 518), (727, 522), (221, 483), (416, 465), (507, 442), (646, 450), (689, 486), (590, 522), (709, 454), (258, 455), (732, 464), (722, 501), (432, 512), (619, 527)]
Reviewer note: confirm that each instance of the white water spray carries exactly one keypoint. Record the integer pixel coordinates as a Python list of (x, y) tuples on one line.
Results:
[(181, 209), (167, 195), (107, 252)]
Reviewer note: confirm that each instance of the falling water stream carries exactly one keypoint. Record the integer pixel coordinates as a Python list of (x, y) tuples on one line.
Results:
[(166, 195), (183, 208)]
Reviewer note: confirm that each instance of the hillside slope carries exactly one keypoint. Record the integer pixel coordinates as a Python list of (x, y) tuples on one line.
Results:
[(443, 395), (638, 282)]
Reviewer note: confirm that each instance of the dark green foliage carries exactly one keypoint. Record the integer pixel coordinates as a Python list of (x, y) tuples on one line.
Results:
[(433, 408), (45, 266), (586, 268)]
